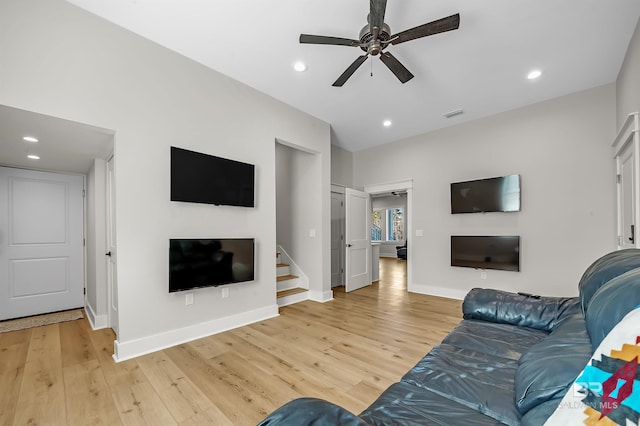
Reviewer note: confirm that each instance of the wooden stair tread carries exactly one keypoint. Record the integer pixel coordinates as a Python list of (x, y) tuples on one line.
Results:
[(281, 265), (290, 292), (286, 277)]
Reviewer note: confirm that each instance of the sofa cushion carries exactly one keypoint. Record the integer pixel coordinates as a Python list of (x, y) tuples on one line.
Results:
[(477, 380), (542, 313), (405, 404), (604, 270), (312, 412), (548, 369), (540, 413), (502, 340)]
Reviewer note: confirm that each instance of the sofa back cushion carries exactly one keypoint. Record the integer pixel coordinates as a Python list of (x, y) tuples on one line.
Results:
[(611, 303), (604, 270), (549, 367), (502, 307)]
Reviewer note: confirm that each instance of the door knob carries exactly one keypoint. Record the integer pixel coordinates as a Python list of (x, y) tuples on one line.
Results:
[(108, 254)]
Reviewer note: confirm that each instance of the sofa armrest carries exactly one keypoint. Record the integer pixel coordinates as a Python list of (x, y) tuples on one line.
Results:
[(542, 313), (312, 411)]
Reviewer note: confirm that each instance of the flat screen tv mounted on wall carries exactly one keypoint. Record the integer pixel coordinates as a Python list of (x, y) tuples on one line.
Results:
[(196, 263), (202, 178), (486, 252), (499, 194)]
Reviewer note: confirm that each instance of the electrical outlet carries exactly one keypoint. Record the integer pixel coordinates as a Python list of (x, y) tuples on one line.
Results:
[(225, 293), (483, 275), (188, 299)]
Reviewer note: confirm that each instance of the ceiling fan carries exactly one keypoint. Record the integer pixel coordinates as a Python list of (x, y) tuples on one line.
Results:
[(376, 36)]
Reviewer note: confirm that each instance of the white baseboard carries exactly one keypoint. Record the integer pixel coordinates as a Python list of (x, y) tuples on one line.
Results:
[(321, 296), (123, 351), (97, 322), (451, 293)]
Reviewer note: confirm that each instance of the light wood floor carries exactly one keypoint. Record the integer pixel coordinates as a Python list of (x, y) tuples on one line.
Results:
[(346, 351)]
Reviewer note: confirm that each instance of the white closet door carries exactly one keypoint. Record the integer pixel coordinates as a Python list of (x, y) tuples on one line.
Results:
[(41, 242)]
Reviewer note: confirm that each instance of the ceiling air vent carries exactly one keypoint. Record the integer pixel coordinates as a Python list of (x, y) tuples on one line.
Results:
[(453, 113)]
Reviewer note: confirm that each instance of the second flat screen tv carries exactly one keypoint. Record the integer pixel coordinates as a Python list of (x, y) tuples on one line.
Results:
[(486, 252), (499, 194), (202, 178), (196, 263)]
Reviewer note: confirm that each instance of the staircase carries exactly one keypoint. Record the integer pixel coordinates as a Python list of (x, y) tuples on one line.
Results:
[(290, 288)]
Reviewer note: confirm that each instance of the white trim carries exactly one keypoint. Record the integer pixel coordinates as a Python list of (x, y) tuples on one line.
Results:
[(630, 127), (294, 269), (432, 290), (123, 351), (337, 188), (97, 322), (321, 296), (398, 185)]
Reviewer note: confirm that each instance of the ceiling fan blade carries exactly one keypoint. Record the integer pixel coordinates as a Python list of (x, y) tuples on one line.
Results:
[(435, 27), (349, 71), (396, 67), (376, 14), (336, 41)]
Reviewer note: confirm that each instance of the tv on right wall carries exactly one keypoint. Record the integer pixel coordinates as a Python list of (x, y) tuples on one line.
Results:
[(498, 194)]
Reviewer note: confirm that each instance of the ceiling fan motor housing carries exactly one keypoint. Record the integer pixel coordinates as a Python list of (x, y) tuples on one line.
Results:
[(374, 46)]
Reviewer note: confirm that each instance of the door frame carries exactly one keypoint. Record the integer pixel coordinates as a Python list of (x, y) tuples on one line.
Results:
[(628, 137), (407, 186), (112, 317)]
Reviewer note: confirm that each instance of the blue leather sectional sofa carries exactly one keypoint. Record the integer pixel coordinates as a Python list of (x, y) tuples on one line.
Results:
[(509, 361)]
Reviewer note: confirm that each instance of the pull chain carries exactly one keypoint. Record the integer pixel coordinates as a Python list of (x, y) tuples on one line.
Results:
[(371, 64)]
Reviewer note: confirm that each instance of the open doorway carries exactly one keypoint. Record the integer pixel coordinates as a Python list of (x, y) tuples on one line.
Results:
[(391, 218), (60, 147)]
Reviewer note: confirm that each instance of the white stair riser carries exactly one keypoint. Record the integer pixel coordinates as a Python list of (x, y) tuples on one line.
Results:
[(282, 270), (287, 284), (294, 298)]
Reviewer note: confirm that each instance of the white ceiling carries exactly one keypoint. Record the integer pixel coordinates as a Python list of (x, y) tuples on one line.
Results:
[(480, 68), (63, 146)]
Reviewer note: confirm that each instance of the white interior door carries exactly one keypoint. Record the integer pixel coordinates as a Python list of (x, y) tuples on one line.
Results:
[(41, 242), (112, 277), (358, 239), (627, 201)]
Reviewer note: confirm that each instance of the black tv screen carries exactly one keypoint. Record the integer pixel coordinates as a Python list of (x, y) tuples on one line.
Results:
[(486, 252), (499, 194), (195, 263), (202, 178)]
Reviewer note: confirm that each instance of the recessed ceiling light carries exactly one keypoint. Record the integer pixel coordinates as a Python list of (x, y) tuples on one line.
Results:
[(534, 74), (33, 157), (29, 139), (386, 123), (300, 66)]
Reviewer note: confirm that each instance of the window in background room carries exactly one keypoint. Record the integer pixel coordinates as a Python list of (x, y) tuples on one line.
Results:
[(387, 225), (376, 225), (395, 225)]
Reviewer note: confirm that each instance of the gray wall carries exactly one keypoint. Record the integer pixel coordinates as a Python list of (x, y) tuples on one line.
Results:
[(561, 149), (59, 60), (341, 166), (628, 83)]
